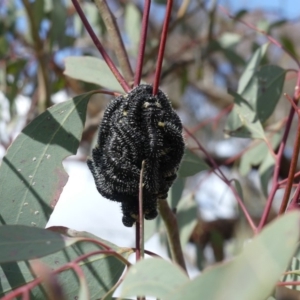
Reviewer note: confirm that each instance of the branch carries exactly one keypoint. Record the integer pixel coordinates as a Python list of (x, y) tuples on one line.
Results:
[(100, 47), (43, 78), (162, 46), (171, 224), (117, 42), (142, 44)]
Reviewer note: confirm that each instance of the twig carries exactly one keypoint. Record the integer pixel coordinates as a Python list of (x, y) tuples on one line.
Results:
[(292, 170), (43, 78), (162, 46), (71, 265), (275, 184), (288, 283), (117, 42), (171, 224), (271, 39), (100, 47), (222, 176), (140, 223), (142, 44)]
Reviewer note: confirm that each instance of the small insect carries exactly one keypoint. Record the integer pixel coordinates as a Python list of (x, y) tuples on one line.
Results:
[(135, 127)]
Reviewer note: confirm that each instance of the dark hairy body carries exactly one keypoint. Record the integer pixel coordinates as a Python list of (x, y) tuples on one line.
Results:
[(137, 127)]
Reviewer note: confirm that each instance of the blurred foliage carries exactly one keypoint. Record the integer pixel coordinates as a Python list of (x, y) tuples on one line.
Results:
[(225, 79)]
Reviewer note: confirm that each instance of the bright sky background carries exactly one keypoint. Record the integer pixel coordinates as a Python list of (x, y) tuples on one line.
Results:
[(287, 8)]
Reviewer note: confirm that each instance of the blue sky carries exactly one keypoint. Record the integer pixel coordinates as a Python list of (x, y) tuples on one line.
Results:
[(286, 8)]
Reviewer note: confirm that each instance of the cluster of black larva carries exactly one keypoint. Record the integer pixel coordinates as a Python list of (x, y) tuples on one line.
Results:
[(136, 127)]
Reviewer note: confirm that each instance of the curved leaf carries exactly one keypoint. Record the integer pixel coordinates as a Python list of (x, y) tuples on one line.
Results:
[(18, 242), (101, 272), (270, 80), (93, 70), (250, 125), (256, 269), (32, 175), (191, 164), (152, 277)]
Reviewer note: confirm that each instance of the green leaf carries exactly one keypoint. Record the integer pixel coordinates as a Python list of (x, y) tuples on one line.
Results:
[(32, 175), (101, 272), (251, 68), (133, 25), (152, 277), (191, 164), (257, 269), (238, 188), (240, 14), (18, 242), (250, 125), (175, 192), (83, 234), (266, 172), (288, 44), (93, 70), (266, 89), (229, 39), (246, 90), (253, 157), (38, 11), (58, 17), (187, 217)]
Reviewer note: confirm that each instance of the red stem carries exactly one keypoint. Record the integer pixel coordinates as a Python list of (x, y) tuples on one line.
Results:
[(295, 201), (288, 283), (270, 38), (276, 184), (225, 180), (101, 49), (285, 180), (71, 265), (293, 166), (162, 46), (140, 58), (139, 233)]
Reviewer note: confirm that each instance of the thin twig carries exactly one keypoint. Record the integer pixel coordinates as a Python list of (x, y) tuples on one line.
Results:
[(171, 224), (295, 200), (292, 170), (270, 38), (71, 265), (162, 46), (142, 44), (222, 176), (116, 40), (43, 77), (100, 47), (139, 237), (275, 183)]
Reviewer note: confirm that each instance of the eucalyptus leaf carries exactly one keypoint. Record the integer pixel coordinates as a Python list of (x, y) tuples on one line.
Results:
[(32, 175), (152, 277), (265, 90), (132, 25), (251, 68), (93, 70), (191, 164), (234, 125), (257, 269), (175, 192), (238, 188), (187, 218), (251, 127), (266, 172), (18, 242), (101, 272)]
